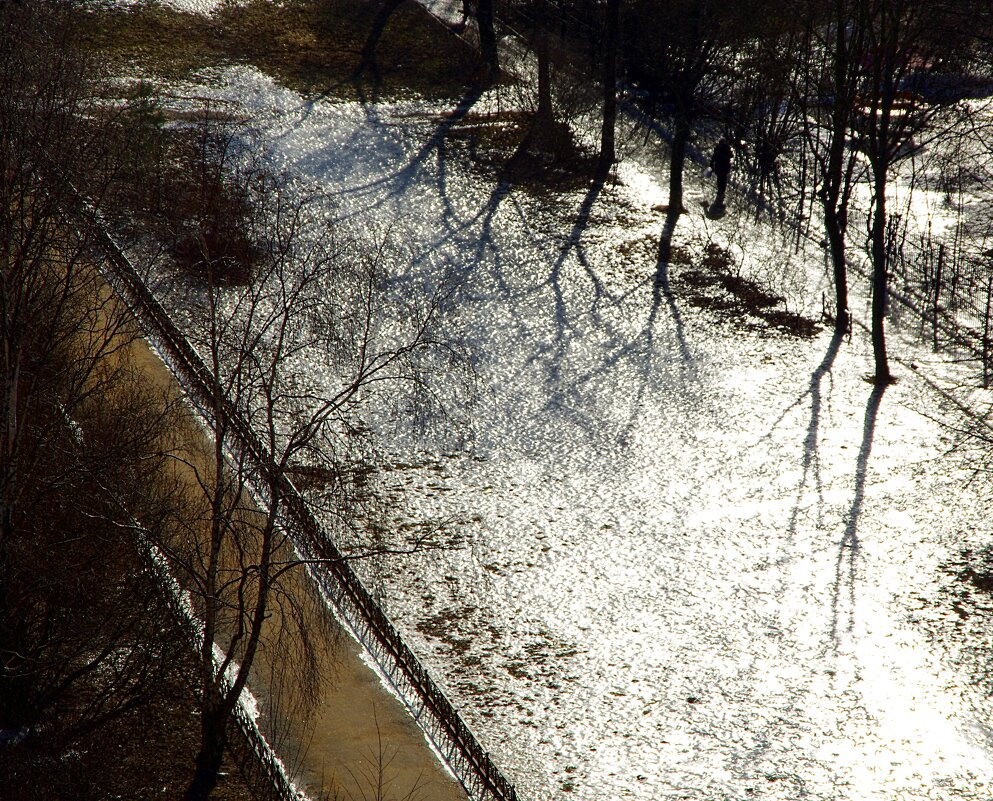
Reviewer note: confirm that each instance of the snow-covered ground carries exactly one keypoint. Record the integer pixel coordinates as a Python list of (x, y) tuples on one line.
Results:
[(701, 559), (193, 6)]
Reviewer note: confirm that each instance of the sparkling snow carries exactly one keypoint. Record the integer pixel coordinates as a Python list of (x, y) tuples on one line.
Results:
[(700, 560)]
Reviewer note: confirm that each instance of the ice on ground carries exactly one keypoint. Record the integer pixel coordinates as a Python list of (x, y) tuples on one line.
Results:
[(195, 6)]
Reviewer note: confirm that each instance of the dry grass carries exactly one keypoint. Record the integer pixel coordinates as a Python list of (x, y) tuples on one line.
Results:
[(717, 285), (313, 46)]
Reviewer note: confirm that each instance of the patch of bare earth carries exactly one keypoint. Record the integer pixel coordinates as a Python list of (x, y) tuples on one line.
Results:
[(714, 284), (314, 46)]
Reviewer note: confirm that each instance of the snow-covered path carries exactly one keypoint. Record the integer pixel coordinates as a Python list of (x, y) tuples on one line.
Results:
[(701, 560)]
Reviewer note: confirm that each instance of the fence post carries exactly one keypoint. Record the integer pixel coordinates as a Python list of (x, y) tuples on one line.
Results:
[(937, 293), (986, 319)]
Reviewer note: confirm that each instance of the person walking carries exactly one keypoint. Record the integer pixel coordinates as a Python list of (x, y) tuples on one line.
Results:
[(720, 163)]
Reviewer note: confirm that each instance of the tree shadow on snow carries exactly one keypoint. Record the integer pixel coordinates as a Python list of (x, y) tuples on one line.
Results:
[(563, 323), (662, 286), (846, 565), (552, 356), (397, 183), (567, 390), (660, 289), (811, 465), (639, 349)]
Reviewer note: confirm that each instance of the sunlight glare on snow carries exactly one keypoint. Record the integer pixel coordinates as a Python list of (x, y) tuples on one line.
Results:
[(688, 543)]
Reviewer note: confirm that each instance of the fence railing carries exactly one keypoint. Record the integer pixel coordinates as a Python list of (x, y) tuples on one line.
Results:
[(258, 763), (339, 584), (946, 280)]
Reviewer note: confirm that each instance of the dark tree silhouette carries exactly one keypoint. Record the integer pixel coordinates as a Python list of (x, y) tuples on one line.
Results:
[(487, 39), (82, 634), (678, 52), (609, 80)]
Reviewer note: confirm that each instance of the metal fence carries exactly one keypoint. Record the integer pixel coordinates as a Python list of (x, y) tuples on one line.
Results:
[(258, 764), (947, 281), (339, 584)]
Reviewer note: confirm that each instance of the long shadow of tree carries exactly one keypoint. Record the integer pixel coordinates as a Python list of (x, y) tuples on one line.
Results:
[(846, 563), (662, 286), (639, 349), (572, 245), (660, 289), (553, 354), (475, 233), (811, 465), (401, 180), (616, 343)]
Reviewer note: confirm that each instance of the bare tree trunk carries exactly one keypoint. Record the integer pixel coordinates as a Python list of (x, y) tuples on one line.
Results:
[(880, 277), (487, 38), (836, 211), (375, 34), (609, 78), (8, 479), (833, 226), (677, 160), (213, 740), (829, 68), (835, 222), (544, 115)]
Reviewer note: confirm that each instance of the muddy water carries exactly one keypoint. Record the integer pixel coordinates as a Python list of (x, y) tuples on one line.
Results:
[(351, 738)]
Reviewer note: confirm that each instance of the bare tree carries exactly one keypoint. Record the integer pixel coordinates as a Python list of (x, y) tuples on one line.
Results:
[(79, 436), (376, 30), (487, 39), (538, 19), (612, 9), (903, 38), (863, 84), (43, 95), (827, 89), (308, 296), (760, 109), (678, 53)]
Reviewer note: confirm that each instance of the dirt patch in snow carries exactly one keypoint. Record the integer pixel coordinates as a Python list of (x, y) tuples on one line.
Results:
[(509, 145), (314, 46), (716, 285)]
